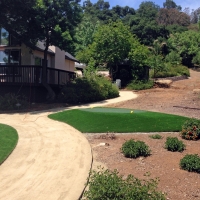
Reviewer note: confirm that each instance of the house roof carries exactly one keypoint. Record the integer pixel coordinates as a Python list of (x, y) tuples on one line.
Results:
[(40, 47), (70, 57)]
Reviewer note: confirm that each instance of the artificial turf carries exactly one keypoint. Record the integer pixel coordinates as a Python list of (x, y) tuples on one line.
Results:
[(8, 141), (94, 120)]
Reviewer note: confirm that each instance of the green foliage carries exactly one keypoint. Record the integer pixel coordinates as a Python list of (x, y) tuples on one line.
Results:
[(134, 149), (140, 85), (173, 144), (186, 44), (156, 136), (85, 33), (54, 21), (8, 141), (109, 185), (88, 89), (12, 101), (171, 71), (191, 129), (191, 163), (174, 58), (112, 43)]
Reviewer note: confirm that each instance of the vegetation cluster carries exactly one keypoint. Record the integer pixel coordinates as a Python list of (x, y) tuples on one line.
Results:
[(11, 101), (106, 184)]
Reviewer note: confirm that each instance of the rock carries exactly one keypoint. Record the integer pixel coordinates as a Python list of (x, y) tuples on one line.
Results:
[(163, 83), (103, 144), (196, 91)]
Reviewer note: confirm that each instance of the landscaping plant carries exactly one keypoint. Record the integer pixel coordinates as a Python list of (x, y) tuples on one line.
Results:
[(156, 136), (173, 144), (134, 149), (191, 163), (191, 129), (109, 185)]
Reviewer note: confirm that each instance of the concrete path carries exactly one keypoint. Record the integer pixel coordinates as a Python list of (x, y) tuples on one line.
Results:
[(52, 159)]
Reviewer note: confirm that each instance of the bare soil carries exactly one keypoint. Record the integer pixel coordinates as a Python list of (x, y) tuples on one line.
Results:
[(182, 98)]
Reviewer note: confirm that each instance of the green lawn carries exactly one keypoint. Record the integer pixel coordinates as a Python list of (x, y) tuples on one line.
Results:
[(8, 141), (101, 120)]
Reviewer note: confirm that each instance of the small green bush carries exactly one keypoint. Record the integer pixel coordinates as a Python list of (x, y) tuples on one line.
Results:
[(84, 90), (191, 130), (173, 144), (12, 101), (109, 185), (191, 163), (156, 136), (140, 85), (134, 149)]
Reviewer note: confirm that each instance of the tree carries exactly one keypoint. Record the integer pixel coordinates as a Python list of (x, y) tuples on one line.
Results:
[(113, 46), (51, 21), (171, 4), (186, 44), (101, 11), (85, 33), (172, 16), (144, 24)]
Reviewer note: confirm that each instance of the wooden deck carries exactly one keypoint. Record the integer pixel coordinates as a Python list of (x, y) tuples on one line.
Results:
[(22, 74)]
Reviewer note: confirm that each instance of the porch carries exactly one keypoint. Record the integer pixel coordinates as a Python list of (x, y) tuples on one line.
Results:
[(32, 75)]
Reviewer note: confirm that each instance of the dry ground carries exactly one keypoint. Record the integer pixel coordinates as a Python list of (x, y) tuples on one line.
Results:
[(181, 98)]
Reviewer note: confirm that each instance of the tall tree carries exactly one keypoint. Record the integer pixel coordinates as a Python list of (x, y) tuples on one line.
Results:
[(85, 33), (144, 23), (114, 44), (172, 16), (51, 21), (171, 4)]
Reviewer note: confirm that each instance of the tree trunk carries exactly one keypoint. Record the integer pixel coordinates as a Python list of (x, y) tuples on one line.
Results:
[(51, 94)]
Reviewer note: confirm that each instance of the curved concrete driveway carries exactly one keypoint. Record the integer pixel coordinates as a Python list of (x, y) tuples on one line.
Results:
[(52, 159)]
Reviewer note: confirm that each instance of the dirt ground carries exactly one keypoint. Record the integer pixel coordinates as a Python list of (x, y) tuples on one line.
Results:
[(182, 98)]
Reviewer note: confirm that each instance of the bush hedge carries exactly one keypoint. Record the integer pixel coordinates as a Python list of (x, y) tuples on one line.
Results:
[(84, 90), (172, 70), (140, 85)]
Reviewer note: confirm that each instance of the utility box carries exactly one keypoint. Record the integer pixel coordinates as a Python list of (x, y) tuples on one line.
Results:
[(118, 83)]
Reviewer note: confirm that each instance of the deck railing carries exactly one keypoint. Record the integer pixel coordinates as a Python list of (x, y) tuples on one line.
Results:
[(18, 74)]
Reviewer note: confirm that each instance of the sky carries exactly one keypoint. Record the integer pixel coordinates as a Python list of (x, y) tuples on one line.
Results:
[(192, 4)]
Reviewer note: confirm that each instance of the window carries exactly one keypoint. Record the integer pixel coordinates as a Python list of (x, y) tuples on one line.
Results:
[(6, 39), (10, 57)]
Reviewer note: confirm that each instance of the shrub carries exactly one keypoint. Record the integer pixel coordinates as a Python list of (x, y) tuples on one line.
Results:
[(84, 90), (191, 163), (156, 136), (173, 144), (191, 129), (12, 101), (140, 85), (134, 149), (172, 70), (109, 185)]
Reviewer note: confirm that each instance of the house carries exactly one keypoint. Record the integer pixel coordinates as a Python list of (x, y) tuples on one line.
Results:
[(21, 64)]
